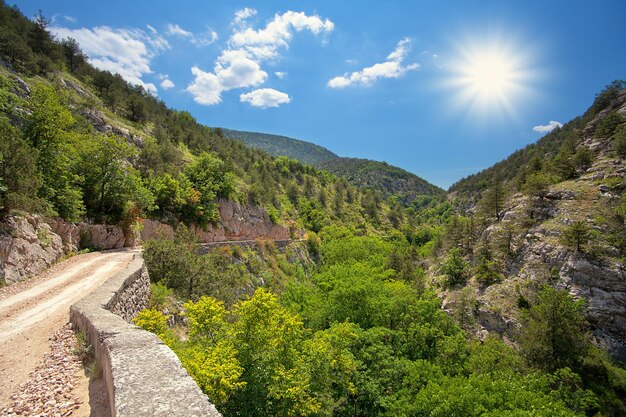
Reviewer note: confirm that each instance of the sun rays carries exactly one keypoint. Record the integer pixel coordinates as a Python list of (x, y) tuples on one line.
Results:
[(490, 77)]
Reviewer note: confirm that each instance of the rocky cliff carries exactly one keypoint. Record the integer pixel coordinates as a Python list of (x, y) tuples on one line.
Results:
[(237, 223), (538, 254), (30, 244)]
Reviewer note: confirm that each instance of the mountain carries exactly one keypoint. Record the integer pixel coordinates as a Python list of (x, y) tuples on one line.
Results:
[(82, 143), (559, 152), (306, 152), (387, 179), (352, 320), (551, 214)]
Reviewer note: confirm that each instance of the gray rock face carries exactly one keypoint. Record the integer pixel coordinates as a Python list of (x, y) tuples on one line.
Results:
[(237, 223), (29, 245), (604, 289)]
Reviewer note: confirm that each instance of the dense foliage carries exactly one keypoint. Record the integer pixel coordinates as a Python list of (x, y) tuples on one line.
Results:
[(346, 323), (384, 178), (355, 336), (380, 177), (178, 171)]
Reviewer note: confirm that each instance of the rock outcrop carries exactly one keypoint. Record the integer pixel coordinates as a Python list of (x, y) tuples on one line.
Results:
[(30, 244), (237, 223), (27, 247), (539, 255)]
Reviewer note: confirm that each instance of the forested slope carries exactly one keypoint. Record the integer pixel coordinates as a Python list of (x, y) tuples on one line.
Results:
[(348, 322), (276, 145), (84, 142), (362, 173)]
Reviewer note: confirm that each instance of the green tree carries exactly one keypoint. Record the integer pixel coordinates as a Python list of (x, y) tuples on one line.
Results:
[(554, 331), (454, 267), (607, 126), (485, 266), (109, 180), (493, 199), (19, 178), (576, 235), (583, 158), (175, 262), (619, 142), (209, 176), (269, 341), (74, 56), (537, 185), (47, 129)]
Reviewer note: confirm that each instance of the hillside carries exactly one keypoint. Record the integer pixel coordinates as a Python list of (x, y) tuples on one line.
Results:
[(388, 179), (80, 143), (306, 152), (362, 173), (553, 214), (508, 299), (558, 152)]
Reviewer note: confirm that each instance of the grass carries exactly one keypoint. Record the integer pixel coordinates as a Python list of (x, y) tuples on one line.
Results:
[(84, 351), (72, 253)]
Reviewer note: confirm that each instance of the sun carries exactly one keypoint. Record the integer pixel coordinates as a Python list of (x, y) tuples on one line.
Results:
[(490, 76)]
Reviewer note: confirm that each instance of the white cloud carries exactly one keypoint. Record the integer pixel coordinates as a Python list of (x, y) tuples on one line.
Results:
[(392, 68), (265, 97), (55, 18), (264, 43), (204, 39), (280, 74), (239, 66), (235, 70), (126, 52), (243, 14), (152, 30), (167, 84), (176, 30), (206, 88), (549, 127)]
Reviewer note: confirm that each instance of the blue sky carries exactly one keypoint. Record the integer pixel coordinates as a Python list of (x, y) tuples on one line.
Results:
[(442, 89)]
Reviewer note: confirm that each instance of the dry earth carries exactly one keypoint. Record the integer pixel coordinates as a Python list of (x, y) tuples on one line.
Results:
[(33, 311)]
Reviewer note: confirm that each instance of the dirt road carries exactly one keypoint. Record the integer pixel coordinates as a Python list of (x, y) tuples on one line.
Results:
[(31, 311)]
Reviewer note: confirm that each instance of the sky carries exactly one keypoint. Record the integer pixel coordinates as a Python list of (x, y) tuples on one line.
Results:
[(442, 89)]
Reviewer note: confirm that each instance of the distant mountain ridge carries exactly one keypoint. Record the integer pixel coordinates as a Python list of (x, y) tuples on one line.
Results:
[(277, 145), (364, 173), (388, 179)]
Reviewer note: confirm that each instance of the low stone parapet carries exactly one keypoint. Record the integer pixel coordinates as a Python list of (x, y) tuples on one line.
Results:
[(143, 376)]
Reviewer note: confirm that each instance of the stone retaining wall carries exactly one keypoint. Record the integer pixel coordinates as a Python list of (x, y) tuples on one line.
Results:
[(143, 376)]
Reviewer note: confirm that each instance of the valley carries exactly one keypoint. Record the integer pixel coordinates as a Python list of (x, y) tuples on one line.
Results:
[(287, 280)]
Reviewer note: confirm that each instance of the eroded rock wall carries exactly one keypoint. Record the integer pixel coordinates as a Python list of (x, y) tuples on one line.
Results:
[(237, 223), (30, 244)]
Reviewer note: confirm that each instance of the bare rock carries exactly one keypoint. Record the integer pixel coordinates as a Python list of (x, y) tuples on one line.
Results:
[(105, 236), (237, 222), (153, 228), (22, 90), (70, 85), (27, 247)]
